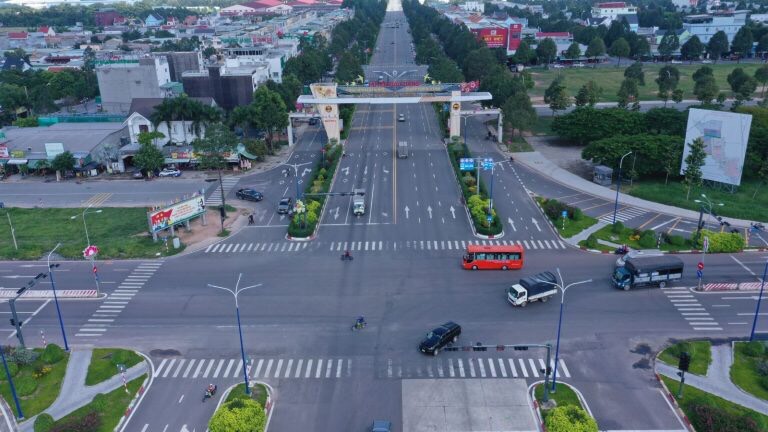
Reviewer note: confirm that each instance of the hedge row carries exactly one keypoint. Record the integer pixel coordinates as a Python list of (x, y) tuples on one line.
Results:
[(303, 224), (477, 200)]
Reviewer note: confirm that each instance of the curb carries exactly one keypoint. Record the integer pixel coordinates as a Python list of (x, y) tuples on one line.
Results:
[(673, 403), (139, 397), (540, 417), (268, 406)]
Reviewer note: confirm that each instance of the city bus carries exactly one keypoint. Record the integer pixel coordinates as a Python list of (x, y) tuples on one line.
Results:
[(479, 257)]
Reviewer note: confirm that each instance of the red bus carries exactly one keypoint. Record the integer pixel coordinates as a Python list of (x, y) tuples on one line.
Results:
[(479, 257)]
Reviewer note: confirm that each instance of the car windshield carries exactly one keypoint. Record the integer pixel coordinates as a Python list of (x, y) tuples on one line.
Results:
[(284, 202), (513, 292), (621, 273)]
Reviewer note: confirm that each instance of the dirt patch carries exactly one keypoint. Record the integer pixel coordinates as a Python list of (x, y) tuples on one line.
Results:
[(565, 155), (199, 233)]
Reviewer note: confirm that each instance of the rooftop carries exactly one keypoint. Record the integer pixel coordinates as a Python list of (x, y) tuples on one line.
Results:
[(76, 137)]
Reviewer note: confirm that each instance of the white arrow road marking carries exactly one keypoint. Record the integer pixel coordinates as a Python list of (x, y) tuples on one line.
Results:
[(345, 170), (336, 214), (536, 223), (365, 170), (429, 209), (453, 212), (512, 223), (385, 170), (305, 172), (406, 212), (18, 276)]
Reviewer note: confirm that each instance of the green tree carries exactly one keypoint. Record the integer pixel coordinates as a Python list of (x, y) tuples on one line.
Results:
[(478, 63), (692, 49), (269, 112), (668, 45), (348, 69), (761, 75), (595, 49), (635, 71), (742, 85), (546, 51), (666, 121), (717, 45), (518, 112), (640, 48), (584, 124), (677, 95), (619, 48), (570, 418), (762, 44), (702, 72), (212, 151), (743, 41), (242, 117), (573, 51), (524, 54), (241, 415), (149, 158), (62, 163), (628, 92), (556, 95), (588, 94), (695, 159), (668, 79), (706, 89)]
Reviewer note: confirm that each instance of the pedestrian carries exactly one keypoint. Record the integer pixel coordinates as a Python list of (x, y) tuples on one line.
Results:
[(250, 219)]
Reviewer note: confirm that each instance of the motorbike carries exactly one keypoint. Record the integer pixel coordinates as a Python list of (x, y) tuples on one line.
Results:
[(621, 250), (359, 325), (209, 393), (346, 257)]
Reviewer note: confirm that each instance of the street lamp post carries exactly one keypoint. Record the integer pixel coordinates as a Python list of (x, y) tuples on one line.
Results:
[(13, 387), (55, 297), (759, 299), (618, 186), (13, 231), (560, 321), (88, 240), (235, 294), (296, 181), (708, 203)]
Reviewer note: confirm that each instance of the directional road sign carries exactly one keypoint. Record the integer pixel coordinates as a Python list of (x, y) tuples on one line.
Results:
[(466, 164), (487, 164)]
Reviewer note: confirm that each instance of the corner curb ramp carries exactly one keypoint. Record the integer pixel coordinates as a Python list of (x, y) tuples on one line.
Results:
[(48, 294)]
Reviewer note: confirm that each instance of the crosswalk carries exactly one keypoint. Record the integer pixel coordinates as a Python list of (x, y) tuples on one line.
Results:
[(623, 215), (214, 198), (692, 311), (338, 368), (375, 246)]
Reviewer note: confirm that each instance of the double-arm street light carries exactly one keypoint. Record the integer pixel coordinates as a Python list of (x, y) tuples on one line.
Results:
[(706, 202), (55, 297), (618, 186), (563, 289), (235, 293), (88, 240)]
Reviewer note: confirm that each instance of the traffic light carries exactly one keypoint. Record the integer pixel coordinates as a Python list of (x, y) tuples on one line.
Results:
[(685, 361), (521, 348), (547, 371), (451, 349), (13, 322), (479, 347)]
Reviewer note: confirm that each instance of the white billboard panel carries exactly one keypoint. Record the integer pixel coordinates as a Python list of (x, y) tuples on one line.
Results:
[(725, 136)]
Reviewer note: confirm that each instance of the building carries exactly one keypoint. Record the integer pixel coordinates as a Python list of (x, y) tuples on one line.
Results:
[(180, 62), (274, 57), (92, 144), (230, 84), (178, 132), (705, 26), (107, 17), (153, 20), (612, 10), (121, 81)]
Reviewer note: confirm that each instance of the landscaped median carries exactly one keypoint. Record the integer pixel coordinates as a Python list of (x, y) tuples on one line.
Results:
[(750, 368), (242, 412), (564, 412), (119, 233), (700, 353), (105, 363), (574, 222), (307, 215), (475, 193), (37, 376)]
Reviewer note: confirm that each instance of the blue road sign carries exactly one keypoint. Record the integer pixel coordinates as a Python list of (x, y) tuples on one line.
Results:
[(487, 164), (699, 274), (466, 164), (565, 214), (489, 218)]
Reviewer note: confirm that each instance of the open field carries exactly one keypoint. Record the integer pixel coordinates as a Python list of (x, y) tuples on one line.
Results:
[(609, 78)]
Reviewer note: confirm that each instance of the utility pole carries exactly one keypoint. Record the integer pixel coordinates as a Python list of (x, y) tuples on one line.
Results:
[(15, 321)]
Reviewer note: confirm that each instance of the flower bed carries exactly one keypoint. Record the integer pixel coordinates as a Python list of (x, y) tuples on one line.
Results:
[(305, 220)]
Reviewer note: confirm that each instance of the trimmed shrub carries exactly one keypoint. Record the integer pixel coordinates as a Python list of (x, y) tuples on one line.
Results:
[(52, 354), (709, 418), (570, 418), (617, 228), (720, 242), (88, 423), (591, 241), (244, 415), (99, 402), (575, 213), (25, 385), (43, 422), (21, 356), (13, 368), (676, 240), (647, 239), (754, 349)]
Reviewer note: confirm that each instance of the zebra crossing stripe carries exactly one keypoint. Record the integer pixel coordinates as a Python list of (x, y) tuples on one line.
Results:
[(160, 367), (533, 368), (522, 368), (278, 368), (238, 368), (502, 369), (178, 369), (308, 372), (512, 368), (492, 368), (328, 367), (381, 245), (319, 368), (471, 368), (269, 367), (298, 368), (189, 368), (481, 366), (218, 368), (208, 369), (338, 368), (229, 367), (199, 367), (451, 372), (168, 369), (461, 368)]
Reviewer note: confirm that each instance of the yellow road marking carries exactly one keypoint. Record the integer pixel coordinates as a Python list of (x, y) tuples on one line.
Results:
[(649, 221), (674, 225)]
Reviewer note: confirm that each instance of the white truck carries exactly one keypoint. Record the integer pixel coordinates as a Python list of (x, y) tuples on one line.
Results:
[(535, 288), (402, 149), (358, 202)]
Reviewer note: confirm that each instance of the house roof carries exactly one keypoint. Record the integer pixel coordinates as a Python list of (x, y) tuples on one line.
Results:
[(155, 16), (146, 106), (43, 29), (17, 35), (612, 5), (552, 35), (13, 62), (631, 18)]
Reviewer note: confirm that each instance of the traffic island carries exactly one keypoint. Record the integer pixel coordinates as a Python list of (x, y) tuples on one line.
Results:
[(242, 412), (750, 368), (37, 376), (699, 354), (108, 362), (568, 221), (564, 411)]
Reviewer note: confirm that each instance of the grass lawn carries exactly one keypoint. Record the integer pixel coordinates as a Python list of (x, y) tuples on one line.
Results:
[(738, 205), (542, 125), (571, 227), (102, 366), (700, 351), (744, 372), (47, 387), (606, 233), (693, 396), (609, 78), (113, 408), (118, 232), (518, 144), (564, 395), (259, 393)]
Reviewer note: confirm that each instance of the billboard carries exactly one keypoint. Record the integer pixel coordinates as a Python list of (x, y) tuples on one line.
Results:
[(515, 37), (725, 136), (176, 213), (493, 37), (53, 149)]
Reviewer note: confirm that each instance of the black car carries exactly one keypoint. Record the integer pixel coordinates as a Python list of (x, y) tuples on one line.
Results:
[(440, 337), (285, 206), (249, 195)]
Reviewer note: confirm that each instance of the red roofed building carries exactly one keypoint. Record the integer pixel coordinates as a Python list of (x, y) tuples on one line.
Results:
[(107, 17), (18, 36)]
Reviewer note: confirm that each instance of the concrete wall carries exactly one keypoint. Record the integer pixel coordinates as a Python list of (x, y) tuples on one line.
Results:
[(120, 83)]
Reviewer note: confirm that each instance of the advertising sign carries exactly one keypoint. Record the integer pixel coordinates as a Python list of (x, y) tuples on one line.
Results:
[(176, 213), (725, 136), (53, 149), (17, 154), (493, 37), (4, 151)]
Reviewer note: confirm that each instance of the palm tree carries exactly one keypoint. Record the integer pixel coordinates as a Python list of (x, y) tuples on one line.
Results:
[(163, 113)]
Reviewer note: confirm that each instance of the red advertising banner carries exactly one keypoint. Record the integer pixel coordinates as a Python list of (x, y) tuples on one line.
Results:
[(493, 37)]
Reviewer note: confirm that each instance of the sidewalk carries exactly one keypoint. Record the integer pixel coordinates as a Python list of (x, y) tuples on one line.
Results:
[(718, 380), (74, 393), (537, 162)]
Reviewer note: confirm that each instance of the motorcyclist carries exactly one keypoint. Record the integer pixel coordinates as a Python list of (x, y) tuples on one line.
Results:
[(347, 255), (211, 390), (360, 322)]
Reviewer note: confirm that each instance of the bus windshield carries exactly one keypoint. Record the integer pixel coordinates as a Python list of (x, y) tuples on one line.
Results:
[(502, 257)]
